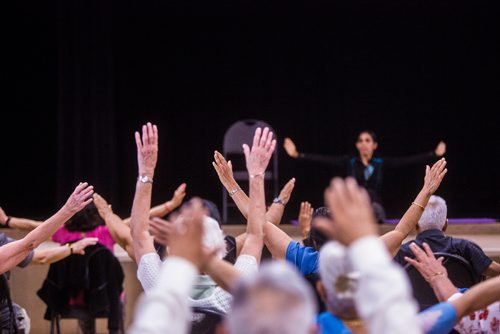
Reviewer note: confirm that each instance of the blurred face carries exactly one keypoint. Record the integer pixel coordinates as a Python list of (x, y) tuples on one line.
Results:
[(365, 144), (193, 202)]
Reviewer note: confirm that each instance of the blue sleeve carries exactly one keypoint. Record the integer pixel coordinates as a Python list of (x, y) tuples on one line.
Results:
[(438, 319), (304, 258)]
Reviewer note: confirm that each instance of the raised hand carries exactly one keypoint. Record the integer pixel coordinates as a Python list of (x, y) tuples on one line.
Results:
[(224, 170), (440, 149), (286, 191), (352, 212), (161, 230), (103, 208), (305, 217), (290, 148), (79, 246), (147, 149), (3, 217), (80, 198), (177, 198), (434, 175), (426, 263), (257, 158)]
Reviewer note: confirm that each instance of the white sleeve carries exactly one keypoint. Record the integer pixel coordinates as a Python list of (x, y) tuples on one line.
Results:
[(384, 299), (165, 308), (148, 270)]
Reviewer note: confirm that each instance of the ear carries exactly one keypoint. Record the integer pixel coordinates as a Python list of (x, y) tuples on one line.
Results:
[(375, 145), (321, 290)]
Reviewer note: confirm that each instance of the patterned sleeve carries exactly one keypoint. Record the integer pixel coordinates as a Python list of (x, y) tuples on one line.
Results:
[(148, 270), (304, 258)]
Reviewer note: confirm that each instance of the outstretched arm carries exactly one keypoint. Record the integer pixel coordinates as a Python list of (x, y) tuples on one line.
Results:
[(147, 154), (54, 254), (18, 223), (14, 252), (438, 152), (118, 229), (432, 180), (291, 150)]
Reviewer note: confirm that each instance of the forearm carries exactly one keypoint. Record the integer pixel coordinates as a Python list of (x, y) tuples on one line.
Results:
[(478, 297), (223, 273), (276, 240), (12, 254), (443, 287), (23, 223), (47, 228), (239, 197), (50, 255), (256, 218), (275, 213), (139, 218)]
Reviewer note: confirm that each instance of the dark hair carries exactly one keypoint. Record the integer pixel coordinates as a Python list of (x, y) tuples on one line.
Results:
[(85, 220), (213, 211), (316, 238), (370, 132)]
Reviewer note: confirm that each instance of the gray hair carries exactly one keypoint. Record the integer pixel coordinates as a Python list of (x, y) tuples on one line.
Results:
[(275, 300), (213, 237), (434, 216), (339, 280)]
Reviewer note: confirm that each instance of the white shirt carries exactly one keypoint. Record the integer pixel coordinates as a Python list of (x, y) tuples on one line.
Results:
[(165, 309), (384, 299)]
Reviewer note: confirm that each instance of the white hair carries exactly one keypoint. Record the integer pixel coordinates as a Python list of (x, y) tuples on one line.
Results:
[(275, 300), (434, 215), (339, 280), (213, 237)]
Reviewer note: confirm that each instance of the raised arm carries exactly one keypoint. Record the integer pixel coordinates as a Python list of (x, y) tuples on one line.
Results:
[(118, 229), (18, 223), (305, 218), (147, 154), (432, 180), (14, 252), (438, 152)]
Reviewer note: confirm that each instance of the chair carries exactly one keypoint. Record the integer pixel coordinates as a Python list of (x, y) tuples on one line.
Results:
[(460, 273), (236, 135), (208, 320), (85, 288)]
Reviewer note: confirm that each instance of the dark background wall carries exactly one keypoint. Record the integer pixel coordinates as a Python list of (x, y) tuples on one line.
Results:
[(86, 74)]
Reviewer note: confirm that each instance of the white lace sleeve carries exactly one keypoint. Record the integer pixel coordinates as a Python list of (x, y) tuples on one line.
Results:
[(148, 270)]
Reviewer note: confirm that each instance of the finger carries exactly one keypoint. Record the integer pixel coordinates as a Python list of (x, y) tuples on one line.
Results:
[(216, 167), (145, 138), (428, 251), (150, 133), (443, 173), (412, 261), (138, 142), (256, 137), (87, 192), (246, 151), (87, 202), (80, 186), (269, 141), (419, 253), (272, 147), (230, 165), (155, 134), (263, 137)]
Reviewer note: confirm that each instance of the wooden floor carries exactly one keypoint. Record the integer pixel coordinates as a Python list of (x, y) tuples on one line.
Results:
[(26, 281)]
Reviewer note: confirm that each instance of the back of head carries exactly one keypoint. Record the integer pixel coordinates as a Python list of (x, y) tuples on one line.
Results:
[(212, 210), (316, 237), (434, 215), (85, 220), (213, 237), (275, 300), (339, 280)]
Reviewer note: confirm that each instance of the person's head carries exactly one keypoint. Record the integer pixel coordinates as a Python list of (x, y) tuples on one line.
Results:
[(275, 300), (209, 207), (316, 237), (366, 143), (85, 220), (213, 237), (434, 215), (338, 282)]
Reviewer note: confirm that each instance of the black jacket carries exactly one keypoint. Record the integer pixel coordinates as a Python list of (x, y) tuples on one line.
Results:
[(98, 273)]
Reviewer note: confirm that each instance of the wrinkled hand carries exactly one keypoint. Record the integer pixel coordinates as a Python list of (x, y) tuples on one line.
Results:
[(440, 149), (3, 217), (426, 263), (257, 158), (103, 208), (352, 212), (177, 198), (224, 170), (290, 148), (147, 149), (186, 235), (286, 192), (80, 245), (434, 175), (305, 217), (80, 198)]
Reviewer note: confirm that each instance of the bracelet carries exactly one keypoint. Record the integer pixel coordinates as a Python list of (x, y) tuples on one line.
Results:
[(420, 206), (436, 274), (70, 248), (7, 222), (234, 191), (252, 176)]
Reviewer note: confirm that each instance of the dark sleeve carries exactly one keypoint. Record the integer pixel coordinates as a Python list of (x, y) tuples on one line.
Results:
[(479, 261), (327, 159), (6, 240), (408, 160)]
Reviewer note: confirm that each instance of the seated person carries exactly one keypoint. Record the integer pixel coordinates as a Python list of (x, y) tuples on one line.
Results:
[(431, 227)]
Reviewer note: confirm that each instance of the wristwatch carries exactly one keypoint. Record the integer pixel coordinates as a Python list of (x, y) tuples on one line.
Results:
[(145, 179), (279, 201)]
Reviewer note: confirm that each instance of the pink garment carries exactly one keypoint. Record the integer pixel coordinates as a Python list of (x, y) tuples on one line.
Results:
[(101, 232)]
